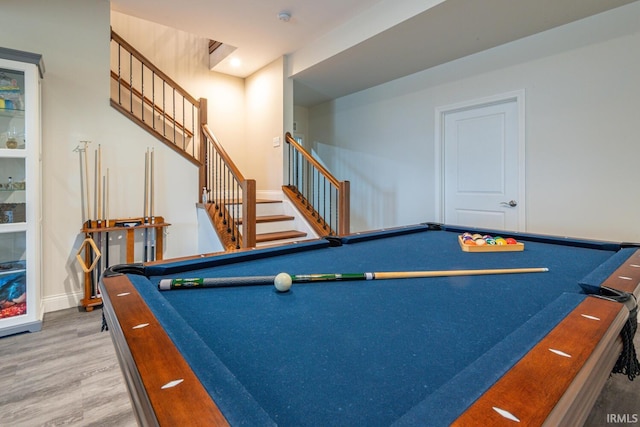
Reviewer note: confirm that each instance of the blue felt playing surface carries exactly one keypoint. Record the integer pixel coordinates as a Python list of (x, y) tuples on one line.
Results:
[(411, 351)]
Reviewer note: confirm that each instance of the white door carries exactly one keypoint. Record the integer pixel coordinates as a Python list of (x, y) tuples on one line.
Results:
[(483, 166)]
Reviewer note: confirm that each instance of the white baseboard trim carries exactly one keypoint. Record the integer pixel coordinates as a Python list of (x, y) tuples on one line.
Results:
[(62, 301)]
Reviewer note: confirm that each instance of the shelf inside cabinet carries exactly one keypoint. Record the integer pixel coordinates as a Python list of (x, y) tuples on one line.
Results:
[(12, 267), (13, 152), (12, 113), (12, 227)]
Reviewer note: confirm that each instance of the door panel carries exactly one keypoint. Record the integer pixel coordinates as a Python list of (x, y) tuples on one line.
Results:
[(481, 166)]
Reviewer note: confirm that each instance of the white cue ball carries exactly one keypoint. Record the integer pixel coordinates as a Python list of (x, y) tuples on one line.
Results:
[(283, 282)]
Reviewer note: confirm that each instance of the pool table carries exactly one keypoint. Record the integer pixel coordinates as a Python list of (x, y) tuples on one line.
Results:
[(461, 350)]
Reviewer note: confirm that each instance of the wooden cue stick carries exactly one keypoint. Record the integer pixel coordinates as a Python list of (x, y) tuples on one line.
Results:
[(106, 220), (152, 231), (93, 250), (107, 199), (446, 273), (99, 184), (86, 177), (99, 214), (91, 221), (104, 200), (95, 185), (88, 236), (146, 203), (146, 184), (166, 284), (151, 182)]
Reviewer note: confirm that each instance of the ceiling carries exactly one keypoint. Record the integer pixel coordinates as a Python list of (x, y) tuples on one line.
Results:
[(381, 43), (252, 26)]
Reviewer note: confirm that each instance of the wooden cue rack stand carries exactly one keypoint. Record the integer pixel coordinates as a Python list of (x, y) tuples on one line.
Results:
[(128, 225)]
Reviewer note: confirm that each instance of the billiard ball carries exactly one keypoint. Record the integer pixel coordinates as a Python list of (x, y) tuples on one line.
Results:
[(282, 282)]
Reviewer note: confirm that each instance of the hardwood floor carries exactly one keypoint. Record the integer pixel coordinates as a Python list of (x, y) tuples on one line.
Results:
[(68, 375), (65, 375)]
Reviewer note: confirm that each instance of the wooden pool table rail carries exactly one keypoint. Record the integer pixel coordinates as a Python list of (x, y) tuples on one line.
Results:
[(149, 361), (566, 387)]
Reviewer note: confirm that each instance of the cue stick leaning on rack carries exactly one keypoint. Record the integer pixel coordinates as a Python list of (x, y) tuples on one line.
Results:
[(149, 215), (88, 246), (106, 219), (98, 183), (152, 231), (146, 205), (167, 284)]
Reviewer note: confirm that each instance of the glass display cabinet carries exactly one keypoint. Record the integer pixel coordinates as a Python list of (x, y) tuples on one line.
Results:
[(20, 213)]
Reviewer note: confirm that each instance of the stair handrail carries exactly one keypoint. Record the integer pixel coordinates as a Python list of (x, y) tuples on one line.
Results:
[(149, 102), (115, 37), (185, 138), (229, 196), (328, 208)]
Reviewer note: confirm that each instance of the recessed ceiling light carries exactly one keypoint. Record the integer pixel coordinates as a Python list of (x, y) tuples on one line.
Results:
[(235, 62)]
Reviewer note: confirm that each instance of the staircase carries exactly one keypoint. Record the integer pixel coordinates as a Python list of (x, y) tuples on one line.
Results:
[(275, 223), (274, 226), (148, 97)]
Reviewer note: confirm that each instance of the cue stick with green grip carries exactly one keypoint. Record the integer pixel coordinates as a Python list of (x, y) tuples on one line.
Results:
[(217, 282)]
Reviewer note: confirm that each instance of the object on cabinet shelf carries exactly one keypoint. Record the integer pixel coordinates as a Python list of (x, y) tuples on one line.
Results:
[(12, 212), (13, 294), (13, 186), (10, 93), (11, 143), (11, 266)]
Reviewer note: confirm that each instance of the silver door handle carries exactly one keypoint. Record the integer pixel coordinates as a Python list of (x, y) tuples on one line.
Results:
[(510, 203)]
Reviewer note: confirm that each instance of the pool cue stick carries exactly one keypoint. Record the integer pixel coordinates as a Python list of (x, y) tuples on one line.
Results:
[(99, 185), (86, 175), (106, 220), (152, 231), (99, 202), (84, 180), (146, 203), (216, 282), (94, 278), (95, 184)]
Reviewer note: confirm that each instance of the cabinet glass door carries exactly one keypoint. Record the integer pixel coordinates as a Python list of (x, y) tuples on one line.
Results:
[(12, 190), (13, 276), (12, 107)]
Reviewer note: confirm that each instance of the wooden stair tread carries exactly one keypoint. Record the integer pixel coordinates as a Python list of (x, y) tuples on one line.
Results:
[(279, 235), (239, 201), (271, 218)]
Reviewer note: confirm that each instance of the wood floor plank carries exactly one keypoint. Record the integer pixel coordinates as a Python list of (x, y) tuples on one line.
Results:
[(65, 375)]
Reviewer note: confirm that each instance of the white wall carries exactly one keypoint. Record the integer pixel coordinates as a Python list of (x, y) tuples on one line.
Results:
[(582, 109), (264, 101), (73, 37)]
